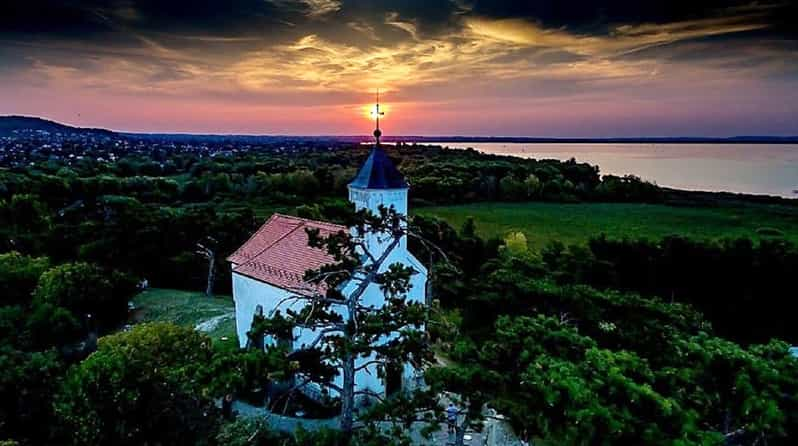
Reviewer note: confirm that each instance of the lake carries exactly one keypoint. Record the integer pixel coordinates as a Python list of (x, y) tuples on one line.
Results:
[(770, 169)]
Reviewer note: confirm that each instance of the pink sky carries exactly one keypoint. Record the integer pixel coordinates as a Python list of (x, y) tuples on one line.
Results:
[(311, 67)]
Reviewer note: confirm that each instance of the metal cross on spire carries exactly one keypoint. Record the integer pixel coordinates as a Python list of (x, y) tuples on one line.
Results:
[(377, 113)]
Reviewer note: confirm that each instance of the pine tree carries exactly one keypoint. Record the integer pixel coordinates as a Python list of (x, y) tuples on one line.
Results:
[(351, 335)]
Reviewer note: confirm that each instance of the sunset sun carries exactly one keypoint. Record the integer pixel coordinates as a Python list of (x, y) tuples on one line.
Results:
[(370, 111)]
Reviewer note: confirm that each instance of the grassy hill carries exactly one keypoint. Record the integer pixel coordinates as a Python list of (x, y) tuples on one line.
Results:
[(215, 316), (576, 223)]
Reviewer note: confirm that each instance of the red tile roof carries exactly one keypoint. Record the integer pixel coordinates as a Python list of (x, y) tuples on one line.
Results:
[(278, 252)]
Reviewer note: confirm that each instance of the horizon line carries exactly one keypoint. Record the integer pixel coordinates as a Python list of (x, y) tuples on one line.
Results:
[(430, 137)]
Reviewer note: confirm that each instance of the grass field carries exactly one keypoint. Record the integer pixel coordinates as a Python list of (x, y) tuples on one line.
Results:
[(190, 309), (575, 223)]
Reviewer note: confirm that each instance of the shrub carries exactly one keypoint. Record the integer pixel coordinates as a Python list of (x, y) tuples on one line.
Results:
[(85, 289), (139, 387), (18, 276)]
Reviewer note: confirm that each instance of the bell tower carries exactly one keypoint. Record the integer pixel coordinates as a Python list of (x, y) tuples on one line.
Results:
[(379, 183)]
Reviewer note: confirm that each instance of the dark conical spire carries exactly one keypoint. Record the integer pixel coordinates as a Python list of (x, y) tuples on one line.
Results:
[(378, 172)]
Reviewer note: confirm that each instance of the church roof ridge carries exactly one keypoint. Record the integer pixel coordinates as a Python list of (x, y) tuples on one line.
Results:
[(311, 221), (240, 256), (278, 253)]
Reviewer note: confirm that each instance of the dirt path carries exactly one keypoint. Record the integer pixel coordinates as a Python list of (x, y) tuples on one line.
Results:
[(212, 323)]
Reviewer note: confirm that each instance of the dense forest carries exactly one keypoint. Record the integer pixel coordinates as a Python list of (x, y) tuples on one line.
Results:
[(672, 341)]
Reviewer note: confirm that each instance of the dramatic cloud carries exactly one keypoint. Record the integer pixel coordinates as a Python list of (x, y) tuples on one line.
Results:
[(606, 67)]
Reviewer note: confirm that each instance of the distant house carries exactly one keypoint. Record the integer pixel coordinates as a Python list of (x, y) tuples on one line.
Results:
[(270, 266)]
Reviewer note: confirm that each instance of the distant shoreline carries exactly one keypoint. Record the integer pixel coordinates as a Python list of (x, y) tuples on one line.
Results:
[(357, 139), (11, 124), (641, 140), (460, 140)]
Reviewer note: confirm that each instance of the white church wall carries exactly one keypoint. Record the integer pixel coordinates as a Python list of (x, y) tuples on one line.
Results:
[(373, 295), (248, 293), (418, 281), (374, 198), (369, 378)]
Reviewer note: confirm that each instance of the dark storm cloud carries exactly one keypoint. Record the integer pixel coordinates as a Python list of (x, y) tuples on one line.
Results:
[(126, 23), (48, 16), (235, 17), (755, 44), (754, 52), (594, 16), (430, 16), (72, 17), (587, 12), (355, 22), (220, 29)]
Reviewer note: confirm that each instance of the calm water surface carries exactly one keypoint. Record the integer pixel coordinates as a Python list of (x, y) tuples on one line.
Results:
[(749, 168)]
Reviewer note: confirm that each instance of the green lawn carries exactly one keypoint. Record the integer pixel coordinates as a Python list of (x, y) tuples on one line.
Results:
[(575, 223), (187, 308)]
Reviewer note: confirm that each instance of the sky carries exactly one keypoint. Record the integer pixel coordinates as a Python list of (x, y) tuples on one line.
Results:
[(561, 68)]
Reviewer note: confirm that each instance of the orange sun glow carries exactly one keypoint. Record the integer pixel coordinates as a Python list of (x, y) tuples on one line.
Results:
[(370, 111)]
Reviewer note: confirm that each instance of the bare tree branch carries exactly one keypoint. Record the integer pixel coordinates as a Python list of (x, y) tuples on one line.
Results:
[(368, 363), (370, 393), (319, 338), (431, 246)]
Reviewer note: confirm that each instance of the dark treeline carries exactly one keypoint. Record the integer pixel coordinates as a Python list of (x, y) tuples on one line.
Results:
[(146, 215), (157, 243), (438, 175), (585, 361), (745, 289)]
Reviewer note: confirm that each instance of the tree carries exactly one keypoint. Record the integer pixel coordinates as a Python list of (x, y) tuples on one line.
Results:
[(27, 213), (533, 186), (579, 365), (24, 219), (554, 383), (351, 335), (734, 282), (208, 252), (246, 432), (251, 432), (49, 325), (27, 383), (141, 386), (470, 386), (87, 291), (18, 277), (512, 189), (745, 394), (516, 243)]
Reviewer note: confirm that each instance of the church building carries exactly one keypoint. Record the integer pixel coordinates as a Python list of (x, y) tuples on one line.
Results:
[(270, 266)]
